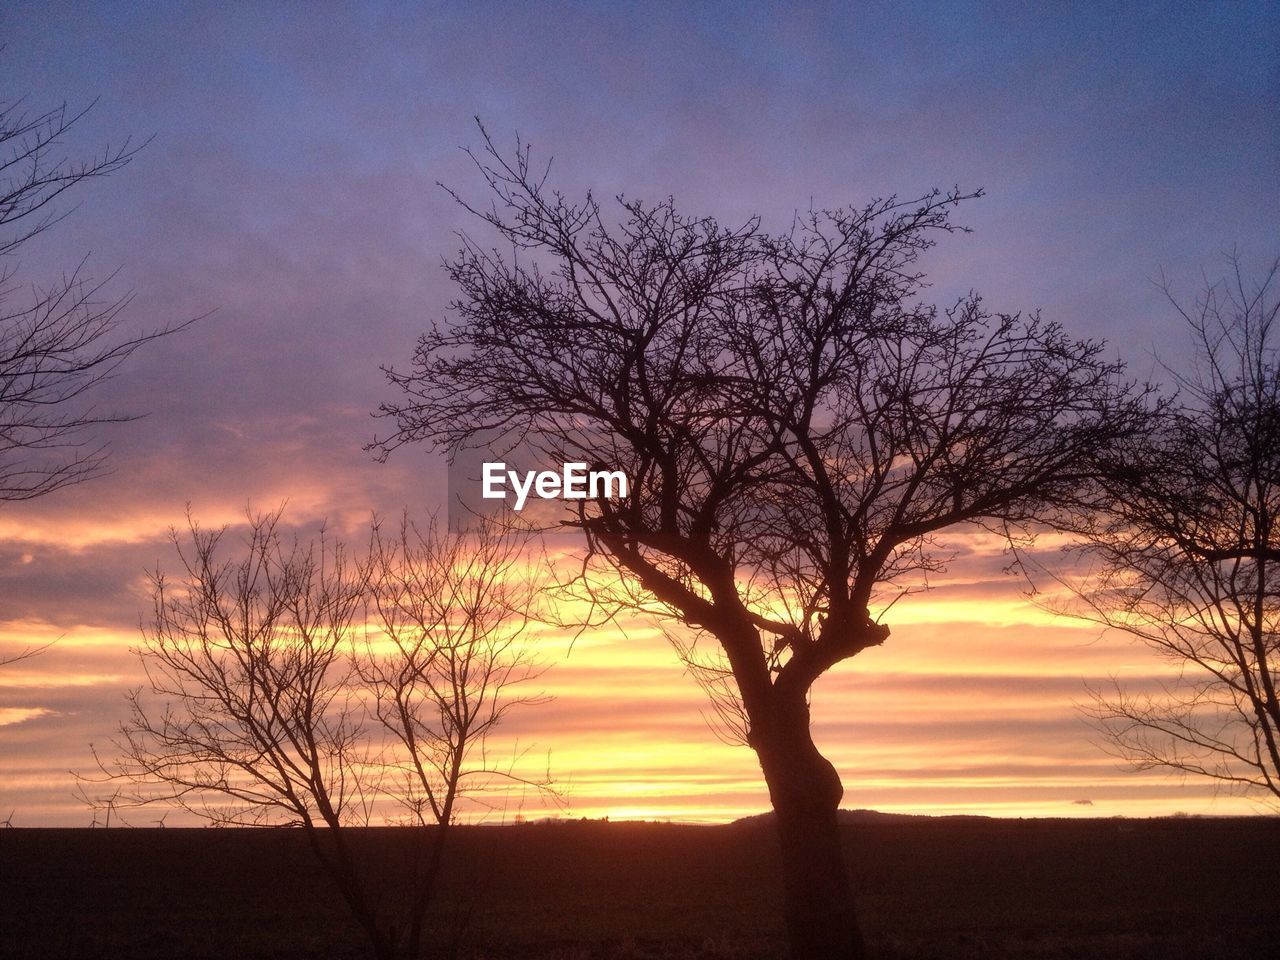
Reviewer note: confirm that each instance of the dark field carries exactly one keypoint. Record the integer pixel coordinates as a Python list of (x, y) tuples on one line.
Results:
[(935, 888)]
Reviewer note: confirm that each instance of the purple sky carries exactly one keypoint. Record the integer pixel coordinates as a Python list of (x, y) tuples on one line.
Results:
[(290, 188)]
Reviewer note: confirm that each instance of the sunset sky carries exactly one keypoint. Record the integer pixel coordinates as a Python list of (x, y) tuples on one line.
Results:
[(290, 193)]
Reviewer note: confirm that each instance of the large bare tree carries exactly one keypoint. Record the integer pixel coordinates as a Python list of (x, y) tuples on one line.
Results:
[(1188, 553), (296, 684), (798, 426), (59, 341)]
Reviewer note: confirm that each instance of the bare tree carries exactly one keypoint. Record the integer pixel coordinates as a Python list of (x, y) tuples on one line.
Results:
[(249, 715), (797, 428), (1188, 554), (270, 684), (57, 343), (447, 666)]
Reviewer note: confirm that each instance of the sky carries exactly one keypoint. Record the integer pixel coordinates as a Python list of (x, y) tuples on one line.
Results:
[(289, 196)]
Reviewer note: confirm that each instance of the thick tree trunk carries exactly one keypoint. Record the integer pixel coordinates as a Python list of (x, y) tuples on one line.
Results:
[(805, 790)]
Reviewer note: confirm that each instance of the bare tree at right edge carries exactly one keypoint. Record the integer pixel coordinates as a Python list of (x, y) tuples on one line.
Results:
[(1189, 553)]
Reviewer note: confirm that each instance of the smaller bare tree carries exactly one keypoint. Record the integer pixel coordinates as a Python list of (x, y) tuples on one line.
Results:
[(1188, 555), (275, 695), (446, 664)]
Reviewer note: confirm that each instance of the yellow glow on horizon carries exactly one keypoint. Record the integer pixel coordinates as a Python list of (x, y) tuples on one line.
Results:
[(969, 707)]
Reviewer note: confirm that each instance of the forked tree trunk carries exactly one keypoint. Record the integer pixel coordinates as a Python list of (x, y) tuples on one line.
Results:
[(805, 790)]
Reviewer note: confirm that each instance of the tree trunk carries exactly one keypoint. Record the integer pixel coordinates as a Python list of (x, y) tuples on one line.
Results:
[(805, 790), (341, 868), (425, 877)]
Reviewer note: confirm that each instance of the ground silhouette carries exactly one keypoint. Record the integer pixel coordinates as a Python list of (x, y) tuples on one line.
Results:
[(933, 888)]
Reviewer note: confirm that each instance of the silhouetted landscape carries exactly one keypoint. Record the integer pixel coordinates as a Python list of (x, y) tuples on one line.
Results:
[(455, 459), (952, 887)]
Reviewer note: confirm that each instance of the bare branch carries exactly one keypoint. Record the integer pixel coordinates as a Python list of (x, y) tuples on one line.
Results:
[(1186, 555), (57, 343)]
